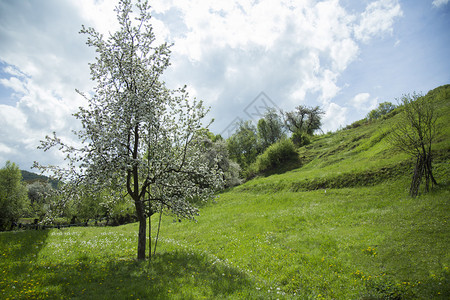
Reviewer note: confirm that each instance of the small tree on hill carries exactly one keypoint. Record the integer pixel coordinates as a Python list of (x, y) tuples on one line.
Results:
[(302, 122), (242, 145), (414, 135), (270, 128), (382, 110), (138, 137)]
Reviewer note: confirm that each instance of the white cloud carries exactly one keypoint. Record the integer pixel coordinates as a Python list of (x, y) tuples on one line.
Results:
[(14, 83), (378, 19), (360, 100), (37, 113), (43, 59), (11, 70), (12, 120), (343, 53), (234, 24), (438, 3), (328, 85), (363, 102), (335, 117), (97, 14), (307, 43), (5, 150)]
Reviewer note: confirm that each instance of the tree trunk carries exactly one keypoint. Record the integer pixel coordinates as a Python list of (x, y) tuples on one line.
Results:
[(142, 239), (430, 170), (142, 230), (422, 168), (417, 176)]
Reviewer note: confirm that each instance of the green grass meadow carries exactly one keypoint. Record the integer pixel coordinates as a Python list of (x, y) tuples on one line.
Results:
[(339, 226), (365, 243), (99, 263)]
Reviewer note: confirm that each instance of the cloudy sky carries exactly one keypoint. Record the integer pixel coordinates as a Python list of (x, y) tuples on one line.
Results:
[(239, 56)]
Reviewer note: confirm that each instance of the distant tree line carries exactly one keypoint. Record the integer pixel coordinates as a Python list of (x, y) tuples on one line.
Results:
[(36, 199)]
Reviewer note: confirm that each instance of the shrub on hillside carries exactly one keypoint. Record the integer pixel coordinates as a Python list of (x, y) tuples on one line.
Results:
[(274, 156), (382, 110), (357, 124), (300, 139)]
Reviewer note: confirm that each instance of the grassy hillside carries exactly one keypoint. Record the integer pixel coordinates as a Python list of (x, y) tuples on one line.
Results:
[(341, 226)]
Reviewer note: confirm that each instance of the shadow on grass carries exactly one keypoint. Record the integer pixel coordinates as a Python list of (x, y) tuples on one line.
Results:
[(284, 167), (171, 275), (22, 244), (18, 251)]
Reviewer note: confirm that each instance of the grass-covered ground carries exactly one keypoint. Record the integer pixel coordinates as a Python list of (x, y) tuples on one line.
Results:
[(340, 226), (98, 263), (342, 244)]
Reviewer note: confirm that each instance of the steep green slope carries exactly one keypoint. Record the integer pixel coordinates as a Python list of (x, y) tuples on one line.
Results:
[(359, 156)]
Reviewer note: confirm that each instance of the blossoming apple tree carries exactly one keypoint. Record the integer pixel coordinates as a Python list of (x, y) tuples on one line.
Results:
[(138, 137)]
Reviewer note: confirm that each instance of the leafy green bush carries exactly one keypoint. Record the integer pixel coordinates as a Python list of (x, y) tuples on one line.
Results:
[(300, 139), (276, 155)]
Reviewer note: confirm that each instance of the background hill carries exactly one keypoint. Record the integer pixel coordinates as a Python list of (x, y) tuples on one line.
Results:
[(340, 225), (30, 177)]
